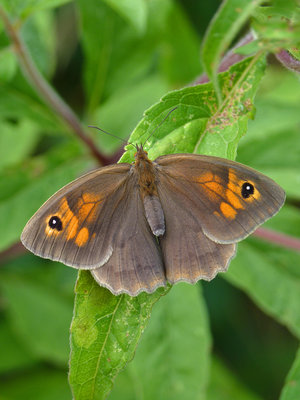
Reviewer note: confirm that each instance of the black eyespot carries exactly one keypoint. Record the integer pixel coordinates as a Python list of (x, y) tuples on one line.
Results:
[(55, 223), (247, 190)]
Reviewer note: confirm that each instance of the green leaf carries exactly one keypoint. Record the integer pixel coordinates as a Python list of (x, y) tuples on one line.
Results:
[(269, 275), (107, 68), (198, 124), (224, 385), (26, 201), (134, 11), (180, 61), (278, 26), (14, 179), (17, 103), (41, 271), (291, 389), (295, 53), (21, 137), (32, 308), (38, 34), (40, 384), (284, 8), (52, 300), (172, 361), (105, 332), (265, 154), (24, 8), (121, 112), (223, 28), (274, 132), (14, 355), (285, 177), (286, 89), (8, 64), (99, 316), (248, 49)]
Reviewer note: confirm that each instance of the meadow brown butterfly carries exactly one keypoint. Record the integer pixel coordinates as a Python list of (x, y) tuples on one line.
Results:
[(138, 226)]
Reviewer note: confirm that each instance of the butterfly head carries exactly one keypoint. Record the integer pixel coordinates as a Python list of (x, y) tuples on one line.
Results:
[(140, 153)]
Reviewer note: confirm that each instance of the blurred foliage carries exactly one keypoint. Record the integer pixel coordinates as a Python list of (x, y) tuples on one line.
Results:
[(233, 338)]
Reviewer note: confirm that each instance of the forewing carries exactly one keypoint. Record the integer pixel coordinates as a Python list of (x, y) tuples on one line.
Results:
[(211, 188), (85, 208)]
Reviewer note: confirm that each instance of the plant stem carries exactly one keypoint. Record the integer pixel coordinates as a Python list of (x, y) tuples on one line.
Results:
[(278, 238), (288, 60), (229, 59), (46, 92)]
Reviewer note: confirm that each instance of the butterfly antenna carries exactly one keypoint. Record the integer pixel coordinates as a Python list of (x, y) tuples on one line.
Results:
[(108, 133), (159, 125)]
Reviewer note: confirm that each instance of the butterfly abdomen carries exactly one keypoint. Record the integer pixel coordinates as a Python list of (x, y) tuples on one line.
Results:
[(155, 215)]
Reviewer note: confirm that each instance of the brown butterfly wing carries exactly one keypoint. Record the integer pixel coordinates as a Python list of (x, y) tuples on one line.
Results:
[(211, 189), (188, 254), (102, 226), (136, 263), (83, 240)]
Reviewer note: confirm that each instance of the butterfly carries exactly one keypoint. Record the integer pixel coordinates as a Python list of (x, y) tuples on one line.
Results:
[(138, 226)]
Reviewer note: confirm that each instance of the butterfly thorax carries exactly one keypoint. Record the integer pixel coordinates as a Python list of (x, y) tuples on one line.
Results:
[(145, 171)]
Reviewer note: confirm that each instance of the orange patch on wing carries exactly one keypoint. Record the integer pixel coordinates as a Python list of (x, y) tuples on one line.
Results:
[(234, 199), (228, 211), (90, 198), (217, 214), (72, 228), (215, 187), (69, 220), (87, 206), (206, 177), (86, 212), (218, 178), (255, 195), (233, 182), (82, 237)]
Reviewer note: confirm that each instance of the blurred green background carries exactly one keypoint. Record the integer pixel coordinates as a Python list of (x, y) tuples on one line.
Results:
[(110, 67)]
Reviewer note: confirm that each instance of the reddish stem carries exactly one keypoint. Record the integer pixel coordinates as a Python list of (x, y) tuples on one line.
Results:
[(46, 92), (229, 59), (288, 60), (281, 239)]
